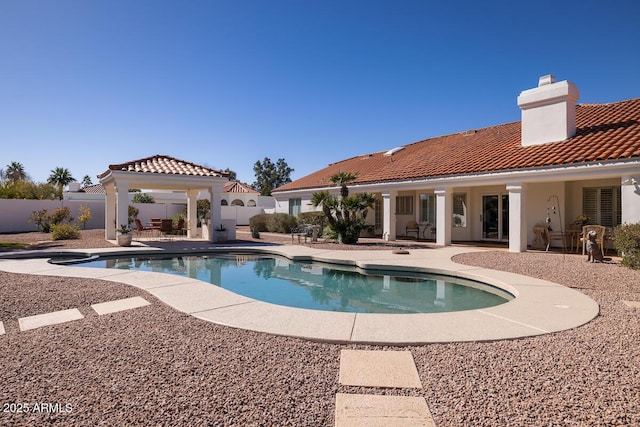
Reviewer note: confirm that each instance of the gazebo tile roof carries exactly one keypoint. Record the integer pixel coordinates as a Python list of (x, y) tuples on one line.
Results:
[(164, 165), (603, 132)]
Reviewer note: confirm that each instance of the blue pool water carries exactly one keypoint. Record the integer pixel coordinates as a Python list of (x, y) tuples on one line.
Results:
[(321, 286)]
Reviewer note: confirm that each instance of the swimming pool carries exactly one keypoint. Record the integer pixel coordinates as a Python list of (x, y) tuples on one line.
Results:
[(321, 286)]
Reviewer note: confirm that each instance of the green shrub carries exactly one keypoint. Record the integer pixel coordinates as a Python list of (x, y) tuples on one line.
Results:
[(60, 215), (85, 215), (258, 222), (274, 223), (45, 220), (281, 223), (627, 243), (64, 232)]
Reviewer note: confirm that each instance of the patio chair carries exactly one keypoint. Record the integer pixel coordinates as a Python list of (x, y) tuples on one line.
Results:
[(180, 228), (412, 227), (166, 227), (600, 234), (140, 229)]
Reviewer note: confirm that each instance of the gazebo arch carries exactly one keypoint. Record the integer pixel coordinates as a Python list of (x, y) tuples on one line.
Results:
[(160, 172)]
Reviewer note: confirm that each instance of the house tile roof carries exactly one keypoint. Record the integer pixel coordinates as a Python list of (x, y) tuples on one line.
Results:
[(238, 187), (94, 189), (165, 165), (604, 132)]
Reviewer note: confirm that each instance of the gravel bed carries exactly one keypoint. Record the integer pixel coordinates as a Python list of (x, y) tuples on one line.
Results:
[(156, 366)]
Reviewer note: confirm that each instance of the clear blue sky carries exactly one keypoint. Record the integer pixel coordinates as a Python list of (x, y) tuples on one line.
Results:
[(84, 84)]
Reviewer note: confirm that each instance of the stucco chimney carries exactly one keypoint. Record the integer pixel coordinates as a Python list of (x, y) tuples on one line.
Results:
[(548, 111)]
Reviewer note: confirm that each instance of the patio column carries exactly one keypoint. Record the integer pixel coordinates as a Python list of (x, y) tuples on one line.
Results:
[(216, 210), (517, 218), (444, 215), (122, 207), (110, 212), (630, 198), (389, 215), (192, 211)]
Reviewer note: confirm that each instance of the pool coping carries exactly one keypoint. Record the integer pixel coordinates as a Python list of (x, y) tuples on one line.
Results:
[(540, 306)]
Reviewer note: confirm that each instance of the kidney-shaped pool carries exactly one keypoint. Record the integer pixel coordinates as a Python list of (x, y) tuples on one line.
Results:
[(321, 286)]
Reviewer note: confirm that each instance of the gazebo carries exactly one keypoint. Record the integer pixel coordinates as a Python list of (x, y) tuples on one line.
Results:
[(160, 172)]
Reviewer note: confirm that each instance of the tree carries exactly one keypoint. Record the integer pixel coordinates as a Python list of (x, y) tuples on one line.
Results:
[(15, 172), (86, 181), (270, 176), (143, 198), (346, 214), (232, 175), (60, 177)]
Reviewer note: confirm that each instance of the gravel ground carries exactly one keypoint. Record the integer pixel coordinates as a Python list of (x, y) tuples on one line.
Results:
[(156, 366)]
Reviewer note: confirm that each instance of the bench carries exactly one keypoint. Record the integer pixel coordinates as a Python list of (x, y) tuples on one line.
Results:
[(303, 231)]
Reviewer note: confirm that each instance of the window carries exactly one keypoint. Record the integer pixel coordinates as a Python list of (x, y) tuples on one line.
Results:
[(603, 205), (377, 214), (404, 205), (224, 202), (295, 206), (459, 209), (427, 208)]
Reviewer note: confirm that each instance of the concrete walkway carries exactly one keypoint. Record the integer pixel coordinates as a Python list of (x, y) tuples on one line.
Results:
[(540, 306)]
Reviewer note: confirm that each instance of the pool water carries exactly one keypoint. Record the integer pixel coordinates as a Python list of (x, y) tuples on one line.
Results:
[(321, 286)]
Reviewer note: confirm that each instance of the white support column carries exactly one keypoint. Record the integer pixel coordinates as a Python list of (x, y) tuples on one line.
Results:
[(389, 215), (517, 218), (444, 215), (122, 207), (216, 210), (192, 211), (630, 198), (110, 213)]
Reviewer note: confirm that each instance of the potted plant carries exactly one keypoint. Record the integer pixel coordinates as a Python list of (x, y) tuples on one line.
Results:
[(221, 233), (124, 235)]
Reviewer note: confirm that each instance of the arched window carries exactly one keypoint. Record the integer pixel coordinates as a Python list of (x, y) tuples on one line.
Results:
[(237, 202), (223, 202), (251, 203)]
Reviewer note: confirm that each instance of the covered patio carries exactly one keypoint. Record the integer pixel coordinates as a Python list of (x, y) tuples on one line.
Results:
[(160, 172)]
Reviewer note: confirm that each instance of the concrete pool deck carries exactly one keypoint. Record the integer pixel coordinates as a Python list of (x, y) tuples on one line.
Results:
[(540, 306)]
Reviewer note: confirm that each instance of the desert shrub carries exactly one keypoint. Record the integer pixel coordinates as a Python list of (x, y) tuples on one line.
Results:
[(132, 213), (258, 222), (64, 232), (60, 215), (281, 223), (142, 198), (627, 243), (41, 220), (85, 215), (274, 223), (45, 220)]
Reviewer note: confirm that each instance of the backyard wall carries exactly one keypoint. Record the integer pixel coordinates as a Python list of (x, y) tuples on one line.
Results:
[(14, 213)]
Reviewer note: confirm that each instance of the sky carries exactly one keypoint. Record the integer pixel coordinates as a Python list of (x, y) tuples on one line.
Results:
[(224, 84)]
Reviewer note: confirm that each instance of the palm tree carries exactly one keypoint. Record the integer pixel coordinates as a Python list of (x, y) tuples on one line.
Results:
[(346, 215), (86, 181), (60, 177), (15, 172)]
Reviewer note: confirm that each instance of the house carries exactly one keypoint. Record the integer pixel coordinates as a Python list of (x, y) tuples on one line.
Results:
[(561, 160)]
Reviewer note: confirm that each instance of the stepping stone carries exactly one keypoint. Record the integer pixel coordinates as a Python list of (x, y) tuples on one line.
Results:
[(374, 410), (2, 332), (53, 318), (632, 304), (370, 368), (119, 305)]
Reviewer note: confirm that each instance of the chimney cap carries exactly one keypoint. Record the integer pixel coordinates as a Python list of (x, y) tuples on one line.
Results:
[(546, 80)]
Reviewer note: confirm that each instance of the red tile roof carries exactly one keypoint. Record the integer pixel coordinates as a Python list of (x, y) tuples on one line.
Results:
[(164, 164), (93, 189), (604, 132)]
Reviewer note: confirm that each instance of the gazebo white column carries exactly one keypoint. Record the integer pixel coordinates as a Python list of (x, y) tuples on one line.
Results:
[(110, 212), (444, 215), (389, 215), (216, 210), (517, 218), (122, 206), (192, 213)]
